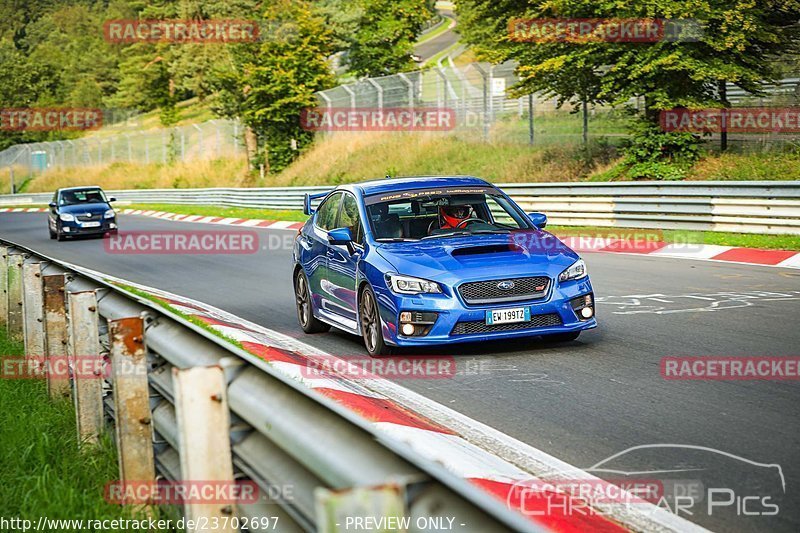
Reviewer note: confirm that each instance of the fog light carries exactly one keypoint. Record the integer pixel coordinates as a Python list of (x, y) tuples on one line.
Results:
[(405, 316), (587, 312), (408, 329), (66, 229), (112, 226)]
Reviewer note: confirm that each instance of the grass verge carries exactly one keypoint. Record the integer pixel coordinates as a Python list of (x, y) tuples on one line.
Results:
[(43, 472), (744, 240), (227, 212)]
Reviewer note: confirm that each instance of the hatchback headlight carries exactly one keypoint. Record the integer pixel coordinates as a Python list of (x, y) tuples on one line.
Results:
[(408, 285), (576, 271), (66, 217), (109, 214)]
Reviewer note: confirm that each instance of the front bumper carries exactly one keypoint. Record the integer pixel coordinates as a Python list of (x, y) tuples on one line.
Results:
[(556, 311), (77, 228)]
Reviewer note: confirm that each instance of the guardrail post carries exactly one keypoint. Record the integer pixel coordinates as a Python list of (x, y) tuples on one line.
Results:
[(4, 286), (15, 318), (134, 424), (201, 409), (33, 314), (334, 507), (55, 325), (84, 351)]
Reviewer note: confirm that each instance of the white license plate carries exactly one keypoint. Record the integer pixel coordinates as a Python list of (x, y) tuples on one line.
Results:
[(90, 224), (508, 316)]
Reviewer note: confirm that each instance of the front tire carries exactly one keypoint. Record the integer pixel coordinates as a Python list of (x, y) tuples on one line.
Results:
[(305, 311), (60, 236), (370, 318)]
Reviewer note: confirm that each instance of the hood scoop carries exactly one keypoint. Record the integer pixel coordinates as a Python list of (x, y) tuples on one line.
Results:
[(509, 247)]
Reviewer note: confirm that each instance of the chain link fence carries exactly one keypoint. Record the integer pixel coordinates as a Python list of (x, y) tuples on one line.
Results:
[(478, 94), (485, 109)]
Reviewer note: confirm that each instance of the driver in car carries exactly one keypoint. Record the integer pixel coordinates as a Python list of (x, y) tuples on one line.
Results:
[(452, 216)]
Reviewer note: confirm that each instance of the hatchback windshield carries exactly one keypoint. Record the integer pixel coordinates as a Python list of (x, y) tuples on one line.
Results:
[(83, 196), (430, 214)]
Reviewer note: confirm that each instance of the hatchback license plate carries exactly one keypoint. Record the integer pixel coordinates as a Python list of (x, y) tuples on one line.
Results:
[(508, 316), (90, 224)]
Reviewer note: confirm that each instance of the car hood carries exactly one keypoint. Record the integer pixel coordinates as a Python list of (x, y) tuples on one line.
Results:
[(81, 209), (476, 257)]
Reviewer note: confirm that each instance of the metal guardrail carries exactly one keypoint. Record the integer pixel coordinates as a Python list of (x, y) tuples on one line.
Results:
[(280, 433), (771, 207)]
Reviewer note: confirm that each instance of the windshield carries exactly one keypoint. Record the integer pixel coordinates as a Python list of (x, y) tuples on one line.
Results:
[(83, 196), (418, 215)]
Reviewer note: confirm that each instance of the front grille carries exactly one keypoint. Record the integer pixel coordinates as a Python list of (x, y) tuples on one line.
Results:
[(480, 326), (486, 292), (91, 218)]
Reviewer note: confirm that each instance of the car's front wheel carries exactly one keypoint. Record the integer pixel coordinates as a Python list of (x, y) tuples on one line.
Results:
[(370, 318), (305, 313), (60, 236)]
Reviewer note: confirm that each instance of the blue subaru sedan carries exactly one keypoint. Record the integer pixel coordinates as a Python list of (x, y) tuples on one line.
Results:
[(423, 261)]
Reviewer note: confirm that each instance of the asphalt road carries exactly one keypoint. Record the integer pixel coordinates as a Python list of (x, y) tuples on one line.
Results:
[(584, 401), (441, 42)]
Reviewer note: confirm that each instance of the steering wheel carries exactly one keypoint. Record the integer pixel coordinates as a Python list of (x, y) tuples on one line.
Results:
[(466, 221)]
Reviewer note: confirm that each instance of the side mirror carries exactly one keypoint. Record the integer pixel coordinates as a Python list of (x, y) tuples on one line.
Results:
[(539, 219), (340, 237), (112, 199), (52, 205)]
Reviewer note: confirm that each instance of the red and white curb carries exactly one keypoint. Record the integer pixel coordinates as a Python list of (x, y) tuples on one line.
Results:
[(487, 458), (703, 252)]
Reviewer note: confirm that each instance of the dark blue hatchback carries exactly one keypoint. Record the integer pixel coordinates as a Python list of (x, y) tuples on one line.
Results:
[(432, 260), (81, 211)]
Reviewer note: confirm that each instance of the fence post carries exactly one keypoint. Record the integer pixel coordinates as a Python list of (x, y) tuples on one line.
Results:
[(530, 119), (201, 410), (55, 323), (33, 314), (4, 286), (84, 351), (14, 274), (134, 428)]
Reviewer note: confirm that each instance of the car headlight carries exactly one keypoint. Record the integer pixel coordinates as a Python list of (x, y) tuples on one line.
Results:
[(576, 271), (66, 217), (109, 214), (408, 285)]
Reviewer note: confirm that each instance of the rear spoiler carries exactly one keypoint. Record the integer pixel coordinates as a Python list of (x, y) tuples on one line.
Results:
[(309, 198)]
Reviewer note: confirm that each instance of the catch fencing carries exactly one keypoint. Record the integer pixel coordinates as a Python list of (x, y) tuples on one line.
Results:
[(770, 207), (188, 406), (478, 93)]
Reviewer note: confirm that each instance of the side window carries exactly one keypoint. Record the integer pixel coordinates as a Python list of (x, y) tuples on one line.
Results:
[(349, 218), (326, 215)]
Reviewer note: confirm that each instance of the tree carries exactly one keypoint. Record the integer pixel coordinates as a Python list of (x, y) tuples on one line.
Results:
[(268, 84), (737, 43), (384, 39)]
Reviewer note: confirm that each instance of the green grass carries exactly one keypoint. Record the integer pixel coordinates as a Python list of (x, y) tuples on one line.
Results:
[(228, 212), (43, 472), (441, 27), (189, 318), (744, 240)]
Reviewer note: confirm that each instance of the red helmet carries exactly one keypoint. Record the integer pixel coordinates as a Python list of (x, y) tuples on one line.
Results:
[(451, 216)]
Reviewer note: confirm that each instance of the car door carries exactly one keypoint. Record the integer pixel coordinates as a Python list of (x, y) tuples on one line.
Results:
[(316, 241), (343, 262)]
